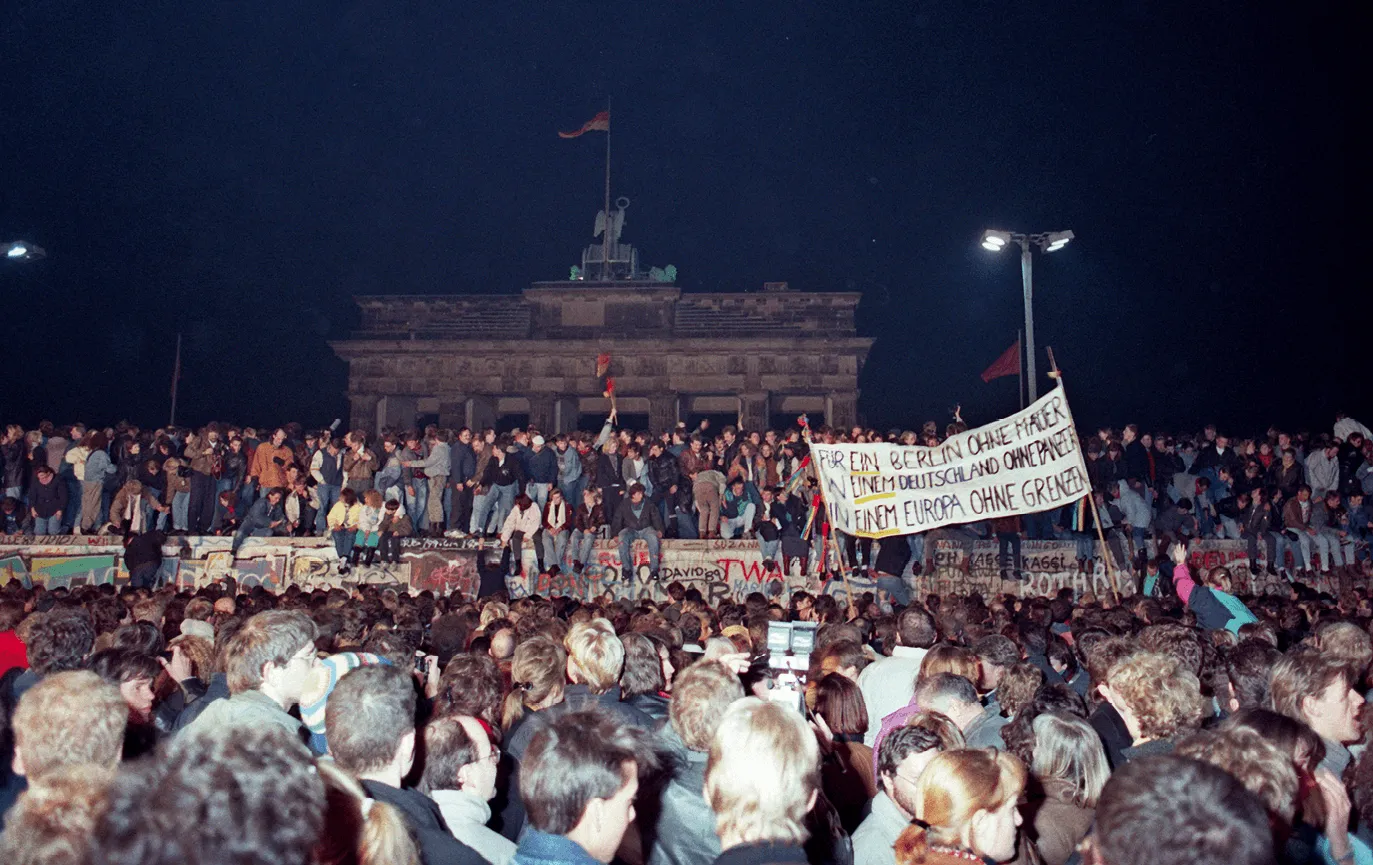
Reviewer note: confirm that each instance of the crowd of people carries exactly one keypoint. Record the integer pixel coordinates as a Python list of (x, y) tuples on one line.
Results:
[(375, 726), (1297, 500)]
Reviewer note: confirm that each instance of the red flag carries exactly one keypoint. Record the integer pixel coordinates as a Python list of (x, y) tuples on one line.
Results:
[(1007, 365), (601, 121), (602, 364)]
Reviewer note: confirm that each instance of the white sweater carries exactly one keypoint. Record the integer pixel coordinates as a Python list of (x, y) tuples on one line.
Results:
[(466, 816)]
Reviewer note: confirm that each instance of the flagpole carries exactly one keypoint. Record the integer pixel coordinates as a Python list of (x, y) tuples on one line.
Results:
[(176, 377), (605, 237), (1020, 358)]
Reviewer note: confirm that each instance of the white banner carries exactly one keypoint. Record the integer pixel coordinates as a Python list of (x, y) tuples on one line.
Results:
[(1031, 461)]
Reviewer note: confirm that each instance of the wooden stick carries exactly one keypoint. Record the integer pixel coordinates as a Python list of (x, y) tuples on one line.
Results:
[(1055, 373), (838, 553)]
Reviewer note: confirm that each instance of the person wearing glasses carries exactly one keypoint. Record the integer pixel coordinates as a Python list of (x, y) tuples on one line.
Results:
[(903, 756), (460, 775)]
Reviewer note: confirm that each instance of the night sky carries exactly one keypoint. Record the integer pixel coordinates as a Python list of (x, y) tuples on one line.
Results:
[(238, 171)]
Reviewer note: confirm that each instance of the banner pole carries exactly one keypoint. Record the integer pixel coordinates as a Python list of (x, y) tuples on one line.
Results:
[(838, 553), (1055, 373)]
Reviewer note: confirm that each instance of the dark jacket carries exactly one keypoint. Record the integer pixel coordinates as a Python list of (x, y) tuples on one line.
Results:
[(1115, 736), (436, 843), (48, 499), (12, 458), (218, 689), (649, 517), (685, 827), (652, 705), (588, 521), (144, 549), (541, 466), (499, 474), (462, 463), (764, 852), (663, 472)]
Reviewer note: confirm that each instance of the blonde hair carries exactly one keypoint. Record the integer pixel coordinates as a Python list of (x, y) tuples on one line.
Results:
[(200, 653), (1069, 750), (537, 677), (953, 788), (763, 769), (73, 717), (596, 653), (372, 498), (946, 659), (1258, 765), (493, 610), (700, 696), (1164, 696), (55, 820), (359, 830)]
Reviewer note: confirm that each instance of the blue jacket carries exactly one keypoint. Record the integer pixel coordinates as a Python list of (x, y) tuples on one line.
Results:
[(99, 467), (464, 463), (538, 847), (261, 516), (541, 467)]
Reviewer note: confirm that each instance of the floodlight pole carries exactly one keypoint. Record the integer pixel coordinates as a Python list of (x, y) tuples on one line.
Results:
[(1027, 278)]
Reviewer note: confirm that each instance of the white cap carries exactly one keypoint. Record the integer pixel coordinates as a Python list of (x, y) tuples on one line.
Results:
[(538, 440)]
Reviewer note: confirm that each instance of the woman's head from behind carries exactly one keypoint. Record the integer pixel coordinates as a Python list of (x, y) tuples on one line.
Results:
[(966, 800), (946, 659), (1068, 755)]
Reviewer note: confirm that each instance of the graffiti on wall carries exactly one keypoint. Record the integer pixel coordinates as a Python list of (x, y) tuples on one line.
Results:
[(953, 564)]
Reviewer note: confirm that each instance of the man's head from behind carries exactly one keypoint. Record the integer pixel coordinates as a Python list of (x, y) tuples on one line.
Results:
[(700, 696), (370, 718), (952, 695), (458, 755), (216, 795), (1169, 809), (762, 775), (579, 778), (60, 640), (274, 653), (595, 655), (915, 628), (74, 717)]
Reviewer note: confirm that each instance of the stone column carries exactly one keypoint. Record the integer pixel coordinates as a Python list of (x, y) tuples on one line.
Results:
[(542, 413), (662, 412), (566, 410), (453, 412), (362, 412), (481, 413), (753, 410), (841, 409)]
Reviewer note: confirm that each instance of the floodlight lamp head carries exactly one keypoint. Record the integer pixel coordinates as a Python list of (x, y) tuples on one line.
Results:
[(995, 240), (1057, 240), (21, 251)]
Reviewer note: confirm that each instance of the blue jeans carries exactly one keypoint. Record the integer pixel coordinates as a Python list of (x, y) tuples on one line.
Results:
[(896, 588), (538, 492), (917, 560), (417, 505), (328, 495), (503, 500), (769, 549), (243, 533), (582, 543), (72, 516), (246, 496), (481, 511), (572, 490), (627, 537), (343, 543), (554, 546), (181, 508), (47, 526), (734, 527)]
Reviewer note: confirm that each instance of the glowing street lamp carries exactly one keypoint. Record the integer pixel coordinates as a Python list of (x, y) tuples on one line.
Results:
[(22, 251), (995, 240)]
